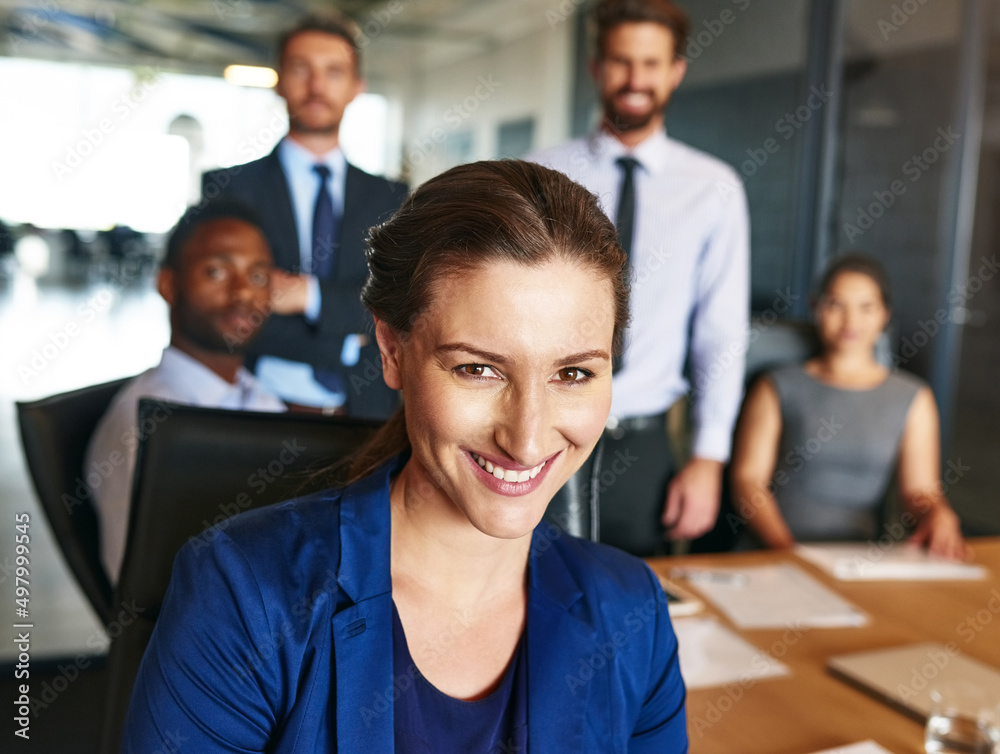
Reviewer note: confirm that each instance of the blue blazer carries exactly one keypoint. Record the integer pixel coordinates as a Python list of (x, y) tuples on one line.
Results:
[(276, 636)]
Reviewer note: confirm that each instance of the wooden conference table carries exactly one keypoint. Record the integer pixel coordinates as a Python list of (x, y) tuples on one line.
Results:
[(811, 710)]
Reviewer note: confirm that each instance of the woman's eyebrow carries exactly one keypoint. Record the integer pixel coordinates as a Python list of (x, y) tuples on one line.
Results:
[(495, 358), (473, 351)]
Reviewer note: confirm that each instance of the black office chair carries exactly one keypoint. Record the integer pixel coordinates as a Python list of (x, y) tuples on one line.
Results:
[(54, 434), (202, 466)]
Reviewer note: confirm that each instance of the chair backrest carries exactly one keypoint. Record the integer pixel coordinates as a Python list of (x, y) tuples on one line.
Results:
[(197, 468), (54, 434), (775, 344)]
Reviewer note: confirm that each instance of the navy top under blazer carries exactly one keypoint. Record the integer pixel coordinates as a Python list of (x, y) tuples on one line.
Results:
[(276, 636)]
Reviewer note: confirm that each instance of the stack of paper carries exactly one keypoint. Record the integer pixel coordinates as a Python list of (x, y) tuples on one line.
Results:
[(712, 655), (775, 596), (860, 561)]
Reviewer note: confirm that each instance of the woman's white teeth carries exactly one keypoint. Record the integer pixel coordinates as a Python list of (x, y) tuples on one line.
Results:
[(508, 476)]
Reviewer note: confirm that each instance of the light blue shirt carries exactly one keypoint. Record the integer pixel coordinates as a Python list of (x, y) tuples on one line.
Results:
[(294, 381), (690, 278)]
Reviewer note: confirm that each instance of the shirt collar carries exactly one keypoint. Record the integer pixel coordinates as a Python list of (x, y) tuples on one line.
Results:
[(651, 152), (210, 388), (297, 159)]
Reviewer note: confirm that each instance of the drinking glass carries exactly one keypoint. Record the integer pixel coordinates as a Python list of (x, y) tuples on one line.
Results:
[(963, 720)]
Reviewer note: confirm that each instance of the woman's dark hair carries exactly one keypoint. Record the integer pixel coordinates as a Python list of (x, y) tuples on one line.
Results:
[(469, 216), (862, 264)]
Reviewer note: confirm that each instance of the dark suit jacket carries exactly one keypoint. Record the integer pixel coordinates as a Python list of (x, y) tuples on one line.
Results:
[(277, 636), (368, 200)]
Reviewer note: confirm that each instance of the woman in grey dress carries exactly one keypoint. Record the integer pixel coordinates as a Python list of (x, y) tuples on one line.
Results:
[(818, 444)]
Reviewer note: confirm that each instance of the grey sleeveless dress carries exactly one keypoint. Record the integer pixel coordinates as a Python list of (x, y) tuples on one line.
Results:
[(838, 452)]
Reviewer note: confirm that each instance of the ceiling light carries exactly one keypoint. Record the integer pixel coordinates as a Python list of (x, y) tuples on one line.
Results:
[(251, 75)]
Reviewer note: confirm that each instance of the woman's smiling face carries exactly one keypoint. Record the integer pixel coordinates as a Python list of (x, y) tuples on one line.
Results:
[(506, 380)]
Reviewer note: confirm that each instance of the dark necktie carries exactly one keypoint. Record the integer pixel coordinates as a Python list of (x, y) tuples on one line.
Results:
[(625, 219), (324, 229), (625, 214), (323, 241)]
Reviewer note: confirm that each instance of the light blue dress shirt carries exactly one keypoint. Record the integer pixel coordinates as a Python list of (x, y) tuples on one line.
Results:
[(690, 278)]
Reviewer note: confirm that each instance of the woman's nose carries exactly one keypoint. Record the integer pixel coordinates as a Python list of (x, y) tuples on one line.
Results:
[(522, 423)]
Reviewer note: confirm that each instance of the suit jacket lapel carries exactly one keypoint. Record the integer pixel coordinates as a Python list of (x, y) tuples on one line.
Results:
[(560, 643), (362, 628), (350, 262), (279, 198)]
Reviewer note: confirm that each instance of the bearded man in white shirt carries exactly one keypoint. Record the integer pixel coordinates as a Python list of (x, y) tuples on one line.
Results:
[(216, 280), (682, 218)]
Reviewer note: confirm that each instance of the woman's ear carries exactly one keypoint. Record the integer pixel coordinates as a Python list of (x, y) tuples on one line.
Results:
[(390, 347)]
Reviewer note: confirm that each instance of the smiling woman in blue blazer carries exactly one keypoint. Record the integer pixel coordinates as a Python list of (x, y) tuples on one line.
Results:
[(424, 608)]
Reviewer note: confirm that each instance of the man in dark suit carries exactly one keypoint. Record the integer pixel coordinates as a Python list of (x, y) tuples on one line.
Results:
[(316, 209)]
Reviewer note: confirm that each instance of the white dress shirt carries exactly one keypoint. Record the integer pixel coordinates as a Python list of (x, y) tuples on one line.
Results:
[(690, 278), (110, 462)]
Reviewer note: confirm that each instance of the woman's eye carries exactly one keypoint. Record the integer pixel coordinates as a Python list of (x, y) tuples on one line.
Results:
[(573, 374), (477, 370)]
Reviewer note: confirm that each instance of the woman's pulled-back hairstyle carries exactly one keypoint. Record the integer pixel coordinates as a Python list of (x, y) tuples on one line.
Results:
[(861, 264), (469, 216)]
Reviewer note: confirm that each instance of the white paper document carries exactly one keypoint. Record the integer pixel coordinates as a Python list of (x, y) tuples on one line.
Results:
[(864, 747), (712, 655), (775, 596), (869, 561)]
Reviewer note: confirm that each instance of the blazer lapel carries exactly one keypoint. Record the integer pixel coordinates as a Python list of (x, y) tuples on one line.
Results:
[(279, 199), (350, 262), (560, 645), (362, 628)]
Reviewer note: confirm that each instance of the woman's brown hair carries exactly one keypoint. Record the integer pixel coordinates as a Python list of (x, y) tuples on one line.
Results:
[(469, 216)]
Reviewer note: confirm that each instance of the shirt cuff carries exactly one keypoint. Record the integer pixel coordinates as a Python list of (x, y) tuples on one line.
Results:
[(712, 443), (313, 299)]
